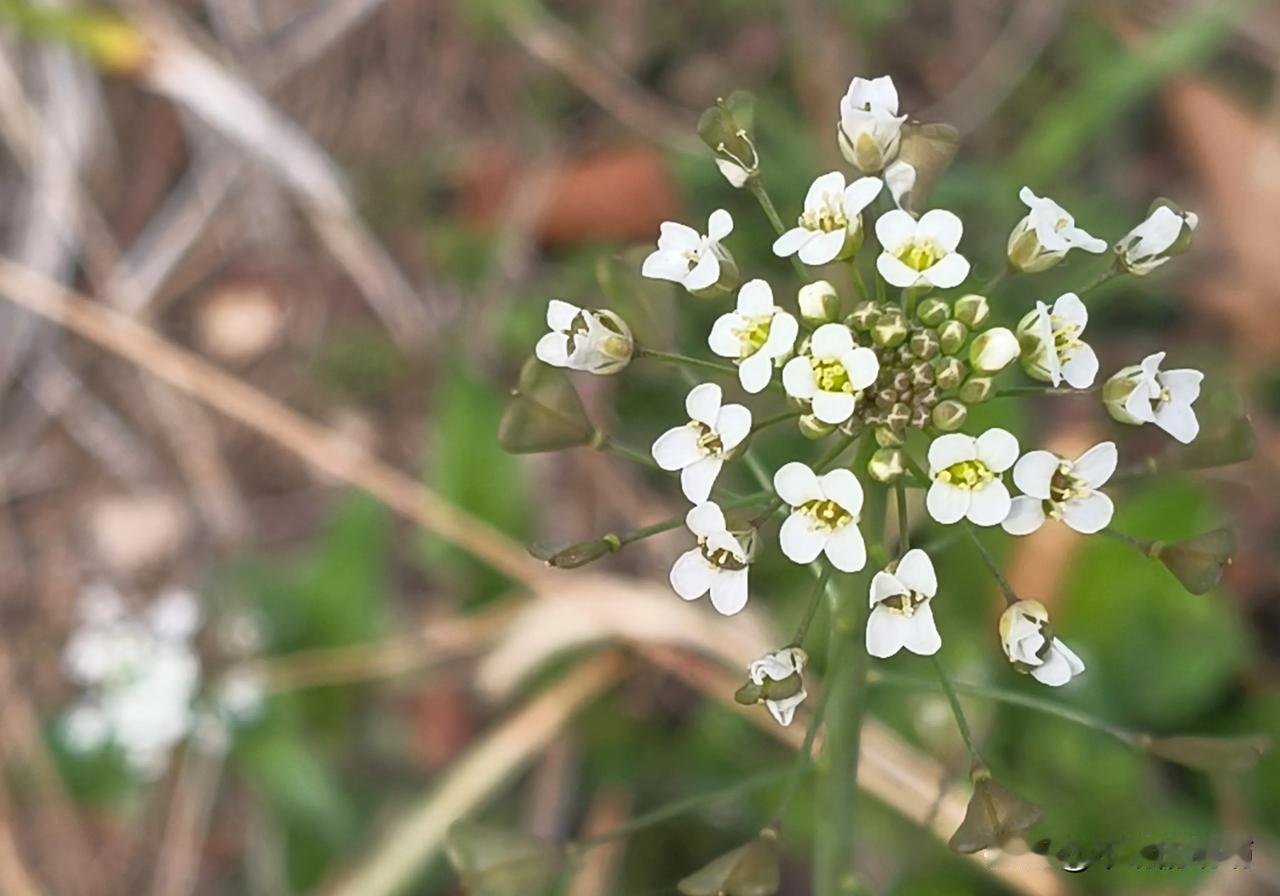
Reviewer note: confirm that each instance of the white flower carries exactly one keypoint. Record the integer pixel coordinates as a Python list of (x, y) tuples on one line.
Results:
[(1067, 490), (592, 341), (756, 335), (777, 673), (993, 350), (698, 448), (697, 262), (831, 226), (718, 564), (900, 612), (1052, 350), (831, 373), (819, 303), (1046, 235), (1155, 240), (734, 173), (240, 695), (965, 473), (1144, 393), (1029, 643), (824, 516), (870, 128), (923, 252)]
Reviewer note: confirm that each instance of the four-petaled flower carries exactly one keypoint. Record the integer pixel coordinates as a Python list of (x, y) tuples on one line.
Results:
[(718, 564), (778, 675), (1155, 240), (966, 477), (686, 257), (592, 341), (824, 516), (831, 373), (870, 128), (755, 335), (900, 612), (1029, 642), (698, 448), (1051, 346), (831, 226), (1045, 236), (923, 252), (1061, 489), (1143, 393)]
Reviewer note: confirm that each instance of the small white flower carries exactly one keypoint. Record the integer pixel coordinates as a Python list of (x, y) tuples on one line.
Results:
[(1143, 393), (923, 252), (240, 694), (1045, 236), (592, 341), (1061, 489), (966, 477), (698, 448), (831, 226), (1029, 643), (686, 257), (756, 334), (870, 128), (1153, 242), (1052, 350), (900, 612), (831, 373), (718, 564), (824, 516), (785, 665)]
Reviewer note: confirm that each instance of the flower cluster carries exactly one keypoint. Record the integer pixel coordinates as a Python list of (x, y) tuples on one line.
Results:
[(891, 369)]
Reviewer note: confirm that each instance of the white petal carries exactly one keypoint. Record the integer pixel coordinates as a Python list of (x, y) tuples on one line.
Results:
[(951, 448), (703, 403), (796, 484), (776, 666), (691, 575), (733, 423), (824, 247), (697, 479), (862, 365), (843, 487), (990, 504), (1071, 311), (1183, 385), (799, 539), (755, 372), (845, 548), (792, 241), (833, 407), (1026, 515), (946, 503), (998, 449), (922, 636), (729, 591), (900, 176), (705, 520), (553, 349), (704, 274), (948, 271), (1034, 471), (885, 584), (784, 711), (561, 315), (797, 378), (724, 339), (665, 265), (676, 448), (1095, 466), (827, 185), (782, 335), (859, 194), (941, 227), (1178, 420), (719, 225), (1073, 661), (915, 571), (755, 299), (894, 229), (1055, 671), (895, 271), (886, 632), (1089, 514), (1080, 239), (1081, 369), (678, 238), (831, 341)]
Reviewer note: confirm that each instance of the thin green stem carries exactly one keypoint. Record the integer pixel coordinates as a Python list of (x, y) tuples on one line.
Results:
[(771, 421), (756, 186), (608, 444), (1132, 540), (819, 588), (1110, 273), (910, 296), (996, 281), (685, 361), (1009, 595), (904, 529), (860, 283), (1013, 391), (961, 722)]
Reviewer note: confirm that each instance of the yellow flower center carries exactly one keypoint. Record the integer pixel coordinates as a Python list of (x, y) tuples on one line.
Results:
[(722, 558), (828, 216), (920, 255), (830, 376), (966, 474), (904, 604), (755, 335), (708, 439), (828, 513), (1065, 342)]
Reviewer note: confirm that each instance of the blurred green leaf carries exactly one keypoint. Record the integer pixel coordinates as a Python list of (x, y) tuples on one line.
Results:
[(1234, 754)]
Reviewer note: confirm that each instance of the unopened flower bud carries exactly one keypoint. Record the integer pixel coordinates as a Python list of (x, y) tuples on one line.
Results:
[(594, 341), (976, 389), (886, 465), (924, 344), (951, 336), (812, 428), (972, 310), (948, 415), (579, 554), (1117, 389), (931, 312), (819, 303), (950, 373), (994, 350), (922, 373), (886, 437), (890, 329), (919, 418), (898, 417), (1166, 232), (864, 314)]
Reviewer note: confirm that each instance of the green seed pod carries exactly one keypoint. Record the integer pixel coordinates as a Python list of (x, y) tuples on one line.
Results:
[(950, 373), (972, 310), (886, 465), (976, 389), (949, 415), (890, 329), (932, 312), (951, 337), (864, 314), (812, 428)]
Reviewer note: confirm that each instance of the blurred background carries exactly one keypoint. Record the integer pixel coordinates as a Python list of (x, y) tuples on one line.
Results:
[(357, 209)]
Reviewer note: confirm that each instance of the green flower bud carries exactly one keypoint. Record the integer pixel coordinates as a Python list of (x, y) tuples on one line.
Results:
[(812, 428), (924, 344), (922, 373), (993, 817), (1117, 390), (898, 417), (579, 554), (927, 396), (819, 303), (1166, 232), (994, 350), (887, 465), (949, 415), (950, 373), (951, 337), (931, 312), (886, 437), (889, 330), (976, 389), (972, 310), (864, 314), (920, 417)]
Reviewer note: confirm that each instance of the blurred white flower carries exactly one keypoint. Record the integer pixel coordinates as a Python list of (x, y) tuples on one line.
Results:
[(831, 226), (923, 252), (1056, 488), (1045, 236), (698, 448), (756, 334), (1157, 239), (1051, 347), (900, 612), (779, 674), (831, 373), (695, 261), (591, 341), (966, 477), (1029, 642), (870, 128), (825, 511), (718, 564), (1143, 393)]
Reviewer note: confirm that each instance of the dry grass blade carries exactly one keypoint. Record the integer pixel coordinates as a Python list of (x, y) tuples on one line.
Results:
[(178, 868), (417, 837), (318, 446)]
